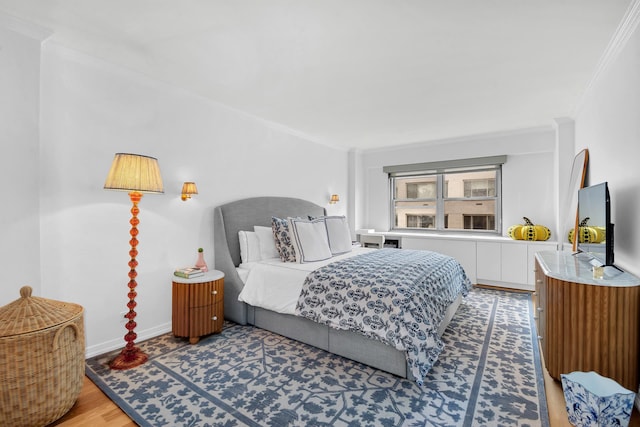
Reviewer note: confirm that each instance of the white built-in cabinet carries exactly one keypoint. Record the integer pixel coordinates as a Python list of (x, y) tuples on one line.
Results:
[(509, 263), (502, 262), (497, 261)]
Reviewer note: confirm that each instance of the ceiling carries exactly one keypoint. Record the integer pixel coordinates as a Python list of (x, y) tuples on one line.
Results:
[(354, 73)]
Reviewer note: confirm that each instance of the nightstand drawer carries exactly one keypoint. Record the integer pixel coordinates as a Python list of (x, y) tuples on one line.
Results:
[(207, 293), (206, 320)]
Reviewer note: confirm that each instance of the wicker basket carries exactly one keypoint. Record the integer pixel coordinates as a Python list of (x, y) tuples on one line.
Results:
[(41, 359)]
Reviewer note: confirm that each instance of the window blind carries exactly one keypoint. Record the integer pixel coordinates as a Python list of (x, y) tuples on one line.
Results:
[(445, 166)]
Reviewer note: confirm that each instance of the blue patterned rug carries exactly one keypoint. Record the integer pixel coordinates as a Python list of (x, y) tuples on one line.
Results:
[(489, 374)]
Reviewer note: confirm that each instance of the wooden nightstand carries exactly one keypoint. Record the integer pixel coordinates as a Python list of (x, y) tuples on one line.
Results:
[(198, 305)]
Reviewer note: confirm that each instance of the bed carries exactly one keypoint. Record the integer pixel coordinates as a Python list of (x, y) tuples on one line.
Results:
[(244, 215)]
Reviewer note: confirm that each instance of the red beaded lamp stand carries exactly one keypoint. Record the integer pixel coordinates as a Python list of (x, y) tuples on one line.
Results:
[(131, 356)]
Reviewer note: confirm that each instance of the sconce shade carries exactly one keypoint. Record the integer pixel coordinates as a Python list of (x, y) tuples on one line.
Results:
[(134, 172), (334, 199), (188, 188)]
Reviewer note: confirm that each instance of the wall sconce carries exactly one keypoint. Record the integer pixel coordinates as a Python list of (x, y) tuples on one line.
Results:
[(188, 188), (334, 199)]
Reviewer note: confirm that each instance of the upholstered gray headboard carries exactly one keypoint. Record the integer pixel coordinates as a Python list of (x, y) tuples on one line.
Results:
[(243, 214)]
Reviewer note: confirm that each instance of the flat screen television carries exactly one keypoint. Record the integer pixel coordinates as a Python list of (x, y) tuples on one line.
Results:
[(595, 230)]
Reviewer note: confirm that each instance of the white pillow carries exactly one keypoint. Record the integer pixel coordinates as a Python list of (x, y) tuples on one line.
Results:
[(309, 239), (338, 234), (249, 246), (267, 242)]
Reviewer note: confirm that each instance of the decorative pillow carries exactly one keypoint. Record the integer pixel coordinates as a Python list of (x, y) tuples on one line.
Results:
[(338, 234), (282, 237), (309, 239), (267, 242), (249, 246)]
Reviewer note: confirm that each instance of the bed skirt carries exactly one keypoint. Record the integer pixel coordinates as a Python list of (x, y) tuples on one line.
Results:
[(348, 344)]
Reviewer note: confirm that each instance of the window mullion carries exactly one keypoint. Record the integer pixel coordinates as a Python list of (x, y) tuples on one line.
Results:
[(440, 203)]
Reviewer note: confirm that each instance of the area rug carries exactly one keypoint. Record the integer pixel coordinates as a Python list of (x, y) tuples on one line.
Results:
[(489, 374)]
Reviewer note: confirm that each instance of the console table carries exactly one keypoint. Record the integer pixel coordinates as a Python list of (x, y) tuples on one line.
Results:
[(586, 324)]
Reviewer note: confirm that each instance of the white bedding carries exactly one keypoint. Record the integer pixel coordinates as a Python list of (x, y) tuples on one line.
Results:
[(276, 285)]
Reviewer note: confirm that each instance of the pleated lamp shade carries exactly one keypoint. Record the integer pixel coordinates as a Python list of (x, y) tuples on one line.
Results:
[(189, 188), (134, 172)]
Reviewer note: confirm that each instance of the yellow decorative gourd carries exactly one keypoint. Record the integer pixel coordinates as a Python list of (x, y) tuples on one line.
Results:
[(531, 231), (588, 233), (515, 232), (528, 231)]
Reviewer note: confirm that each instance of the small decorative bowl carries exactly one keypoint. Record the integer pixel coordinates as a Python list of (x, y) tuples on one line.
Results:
[(594, 400)]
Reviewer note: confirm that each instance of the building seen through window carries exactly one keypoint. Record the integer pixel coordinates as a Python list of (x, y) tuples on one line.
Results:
[(466, 200)]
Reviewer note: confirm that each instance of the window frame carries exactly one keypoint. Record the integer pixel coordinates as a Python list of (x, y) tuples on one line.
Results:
[(445, 168)]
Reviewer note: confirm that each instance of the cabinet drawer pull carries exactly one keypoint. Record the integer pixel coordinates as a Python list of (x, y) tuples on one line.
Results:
[(214, 318), (539, 338), (539, 281), (214, 292), (535, 316), (539, 308), (534, 294)]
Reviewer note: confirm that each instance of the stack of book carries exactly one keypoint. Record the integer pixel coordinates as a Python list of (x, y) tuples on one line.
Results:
[(188, 272)]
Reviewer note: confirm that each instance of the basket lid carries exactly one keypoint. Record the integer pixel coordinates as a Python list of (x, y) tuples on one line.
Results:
[(30, 314)]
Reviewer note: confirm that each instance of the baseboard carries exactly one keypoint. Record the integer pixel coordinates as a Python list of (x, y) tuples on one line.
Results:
[(107, 346), (508, 285)]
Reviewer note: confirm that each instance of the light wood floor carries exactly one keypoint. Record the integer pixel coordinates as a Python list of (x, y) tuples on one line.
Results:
[(95, 409)]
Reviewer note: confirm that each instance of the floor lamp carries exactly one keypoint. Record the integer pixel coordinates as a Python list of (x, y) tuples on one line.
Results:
[(136, 174)]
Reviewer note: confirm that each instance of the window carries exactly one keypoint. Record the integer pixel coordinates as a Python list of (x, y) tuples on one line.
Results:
[(421, 190), (479, 222), (480, 187), (458, 195), (421, 221)]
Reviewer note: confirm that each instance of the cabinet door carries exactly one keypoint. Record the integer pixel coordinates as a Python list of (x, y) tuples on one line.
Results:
[(489, 261), (514, 263)]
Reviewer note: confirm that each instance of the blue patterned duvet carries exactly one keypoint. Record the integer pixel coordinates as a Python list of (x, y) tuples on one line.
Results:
[(396, 296)]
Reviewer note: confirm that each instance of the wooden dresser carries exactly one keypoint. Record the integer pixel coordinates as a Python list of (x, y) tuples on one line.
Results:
[(587, 324), (198, 305)]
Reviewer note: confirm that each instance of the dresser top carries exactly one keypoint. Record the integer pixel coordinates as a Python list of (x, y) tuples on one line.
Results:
[(570, 267)]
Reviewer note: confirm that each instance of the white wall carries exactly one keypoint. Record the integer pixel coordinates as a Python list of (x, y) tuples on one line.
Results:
[(89, 111), (19, 159), (528, 177), (608, 124)]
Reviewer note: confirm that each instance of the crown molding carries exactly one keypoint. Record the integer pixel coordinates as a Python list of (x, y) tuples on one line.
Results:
[(464, 138), (25, 28), (625, 30)]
